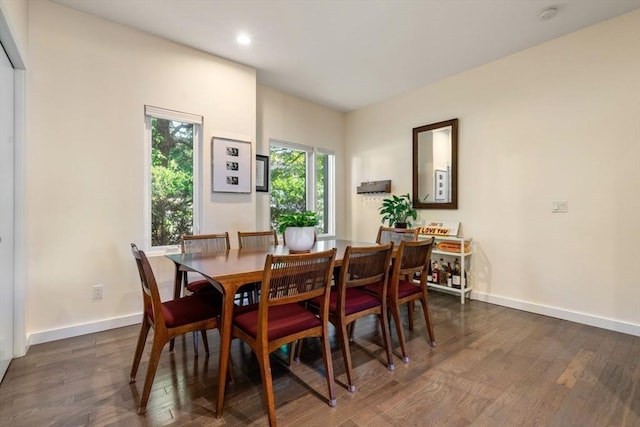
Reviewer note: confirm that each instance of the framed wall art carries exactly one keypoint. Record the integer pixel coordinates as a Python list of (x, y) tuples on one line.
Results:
[(441, 182), (262, 173), (231, 166)]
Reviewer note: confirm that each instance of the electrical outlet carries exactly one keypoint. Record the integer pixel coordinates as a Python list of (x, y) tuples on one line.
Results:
[(97, 291), (559, 206)]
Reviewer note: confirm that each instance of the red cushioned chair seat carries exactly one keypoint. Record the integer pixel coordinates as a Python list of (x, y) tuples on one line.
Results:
[(404, 289), (189, 309), (284, 320), (355, 300), (373, 288), (200, 286), (407, 288)]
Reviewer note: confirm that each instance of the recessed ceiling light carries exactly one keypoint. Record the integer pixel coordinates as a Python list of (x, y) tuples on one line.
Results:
[(243, 39), (548, 13)]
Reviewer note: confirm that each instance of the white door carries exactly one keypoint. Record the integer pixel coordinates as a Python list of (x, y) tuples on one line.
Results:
[(6, 211)]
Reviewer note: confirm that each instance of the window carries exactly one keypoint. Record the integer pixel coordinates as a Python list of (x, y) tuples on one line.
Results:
[(302, 178), (173, 175)]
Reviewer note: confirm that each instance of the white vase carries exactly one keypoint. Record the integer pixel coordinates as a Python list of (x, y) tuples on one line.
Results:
[(299, 239)]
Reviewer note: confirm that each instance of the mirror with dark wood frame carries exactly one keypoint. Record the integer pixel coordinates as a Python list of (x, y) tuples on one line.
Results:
[(435, 165)]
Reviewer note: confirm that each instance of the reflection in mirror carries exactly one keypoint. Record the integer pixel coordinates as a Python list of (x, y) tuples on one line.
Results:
[(435, 166)]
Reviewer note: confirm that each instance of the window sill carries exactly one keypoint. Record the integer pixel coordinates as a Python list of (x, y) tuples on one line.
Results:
[(162, 251)]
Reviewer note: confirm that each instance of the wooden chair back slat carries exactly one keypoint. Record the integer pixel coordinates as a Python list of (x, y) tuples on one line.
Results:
[(364, 265), (396, 235), (205, 243), (414, 256), (257, 239), (291, 278)]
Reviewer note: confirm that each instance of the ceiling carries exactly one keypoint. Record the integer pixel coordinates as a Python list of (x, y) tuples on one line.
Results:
[(346, 54)]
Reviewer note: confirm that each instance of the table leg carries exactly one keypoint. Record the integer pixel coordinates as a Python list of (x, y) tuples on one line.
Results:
[(177, 283), (177, 288), (226, 322)]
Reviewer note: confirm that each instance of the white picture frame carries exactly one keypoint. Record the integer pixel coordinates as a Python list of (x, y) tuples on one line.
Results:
[(441, 184), (230, 166)]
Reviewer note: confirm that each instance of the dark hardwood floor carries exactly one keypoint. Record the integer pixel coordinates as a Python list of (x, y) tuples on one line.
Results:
[(493, 366)]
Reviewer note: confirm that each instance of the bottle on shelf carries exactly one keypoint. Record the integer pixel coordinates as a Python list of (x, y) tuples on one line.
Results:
[(442, 274), (449, 274), (455, 278), (429, 273), (434, 272)]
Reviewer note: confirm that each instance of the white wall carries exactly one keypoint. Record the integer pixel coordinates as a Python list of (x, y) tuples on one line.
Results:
[(555, 122), (288, 118), (88, 82)]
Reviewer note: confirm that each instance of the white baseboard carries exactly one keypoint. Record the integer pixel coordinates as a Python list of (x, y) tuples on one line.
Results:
[(559, 313), (86, 328), (586, 319)]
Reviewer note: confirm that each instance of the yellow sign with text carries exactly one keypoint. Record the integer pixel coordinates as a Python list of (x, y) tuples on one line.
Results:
[(441, 229)]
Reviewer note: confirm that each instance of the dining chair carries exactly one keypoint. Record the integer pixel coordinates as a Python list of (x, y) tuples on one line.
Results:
[(361, 266), (396, 235), (411, 257), (386, 235), (281, 318), (201, 243), (192, 313), (256, 240)]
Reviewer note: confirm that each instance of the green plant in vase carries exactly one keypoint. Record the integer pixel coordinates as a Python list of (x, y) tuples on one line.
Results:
[(298, 230), (398, 211), (297, 219)]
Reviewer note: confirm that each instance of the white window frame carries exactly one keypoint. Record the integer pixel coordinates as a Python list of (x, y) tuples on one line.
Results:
[(310, 162), (197, 121), (331, 190)]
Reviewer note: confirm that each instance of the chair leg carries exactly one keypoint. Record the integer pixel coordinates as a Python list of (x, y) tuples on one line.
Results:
[(328, 364), (427, 320), (410, 308), (256, 293), (387, 338), (395, 311), (172, 343), (346, 355), (230, 378), (156, 351), (267, 384), (352, 330), (298, 349), (293, 348), (195, 344), (142, 339), (205, 341)]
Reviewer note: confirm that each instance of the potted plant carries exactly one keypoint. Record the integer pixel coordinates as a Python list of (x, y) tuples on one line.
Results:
[(298, 230), (398, 211)]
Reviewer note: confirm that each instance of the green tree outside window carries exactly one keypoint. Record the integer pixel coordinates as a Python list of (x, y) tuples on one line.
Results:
[(171, 181)]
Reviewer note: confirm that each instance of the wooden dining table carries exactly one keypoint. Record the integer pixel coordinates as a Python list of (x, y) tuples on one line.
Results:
[(227, 271)]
